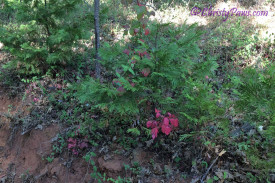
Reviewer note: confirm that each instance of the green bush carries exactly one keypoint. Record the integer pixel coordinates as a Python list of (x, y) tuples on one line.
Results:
[(256, 93), (43, 34), (160, 68)]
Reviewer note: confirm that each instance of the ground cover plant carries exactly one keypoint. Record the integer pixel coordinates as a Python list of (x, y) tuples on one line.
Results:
[(173, 102)]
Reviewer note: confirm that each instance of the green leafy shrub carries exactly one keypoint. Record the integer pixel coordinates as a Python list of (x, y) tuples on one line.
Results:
[(6, 13), (256, 94), (43, 35), (161, 68)]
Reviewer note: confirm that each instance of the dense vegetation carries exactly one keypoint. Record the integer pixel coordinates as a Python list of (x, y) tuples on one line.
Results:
[(168, 86)]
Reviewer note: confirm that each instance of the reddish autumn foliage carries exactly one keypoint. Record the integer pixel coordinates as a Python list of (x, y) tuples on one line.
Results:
[(75, 145), (168, 122), (145, 72), (146, 32), (126, 51)]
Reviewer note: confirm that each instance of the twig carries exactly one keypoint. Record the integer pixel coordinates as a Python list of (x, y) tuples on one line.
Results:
[(97, 38), (207, 171), (250, 170)]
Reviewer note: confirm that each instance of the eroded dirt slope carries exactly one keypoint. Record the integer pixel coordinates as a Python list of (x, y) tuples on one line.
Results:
[(22, 157)]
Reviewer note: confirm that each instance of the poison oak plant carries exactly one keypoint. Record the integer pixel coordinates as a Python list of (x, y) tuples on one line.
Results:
[(161, 68)]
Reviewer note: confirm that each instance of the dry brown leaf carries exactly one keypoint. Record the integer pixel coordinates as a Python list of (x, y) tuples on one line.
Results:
[(222, 152)]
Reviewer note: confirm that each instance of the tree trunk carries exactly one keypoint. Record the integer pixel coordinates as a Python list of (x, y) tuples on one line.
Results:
[(97, 39)]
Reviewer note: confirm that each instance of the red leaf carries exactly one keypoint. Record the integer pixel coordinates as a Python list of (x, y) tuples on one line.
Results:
[(165, 129), (58, 86), (141, 40), (157, 111), (70, 146), (121, 89), (154, 124), (126, 51), (158, 115), (146, 32), (71, 140), (83, 145), (175, 122), (75, 152), (145, 72), (149, 124), (154, 132), (166, 121)]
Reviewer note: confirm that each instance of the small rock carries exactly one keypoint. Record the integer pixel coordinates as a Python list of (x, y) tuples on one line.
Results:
[(40, 127), (146, 171), (55, 138), (157, 169), (115, 165), (114, 138), (260, 128), (107, 157)]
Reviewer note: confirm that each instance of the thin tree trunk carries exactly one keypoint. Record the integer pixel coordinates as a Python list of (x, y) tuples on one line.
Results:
[(97, 39)]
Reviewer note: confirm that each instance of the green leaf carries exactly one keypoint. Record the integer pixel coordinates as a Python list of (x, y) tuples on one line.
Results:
[(140, 15), (185, 136), (210, 181), (224, 175), (134, 131), (118, 75)]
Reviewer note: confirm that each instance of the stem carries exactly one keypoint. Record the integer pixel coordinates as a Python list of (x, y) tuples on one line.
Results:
[(97, 39)]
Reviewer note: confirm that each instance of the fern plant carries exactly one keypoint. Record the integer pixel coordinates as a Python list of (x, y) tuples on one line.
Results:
[(160, 68)]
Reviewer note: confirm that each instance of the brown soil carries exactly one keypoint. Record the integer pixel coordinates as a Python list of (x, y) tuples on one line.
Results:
[(22, 157)]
